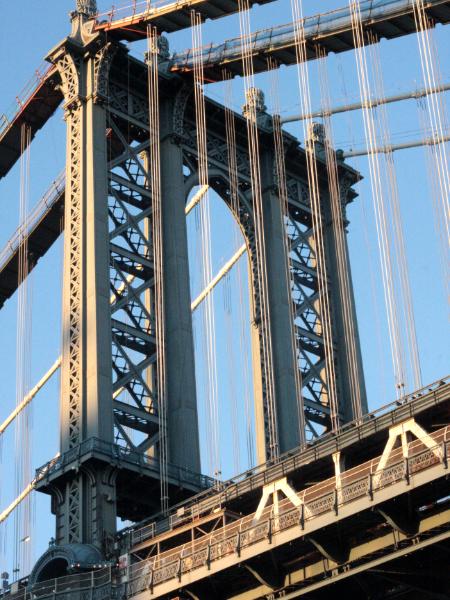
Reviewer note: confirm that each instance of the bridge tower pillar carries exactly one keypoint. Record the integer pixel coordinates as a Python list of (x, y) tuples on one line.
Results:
[(281, 324), (295, 320), (109, 465), (84, 499), (183, 438), (349, 371)]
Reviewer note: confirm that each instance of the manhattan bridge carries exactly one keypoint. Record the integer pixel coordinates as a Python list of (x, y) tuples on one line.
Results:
[(336, 499)]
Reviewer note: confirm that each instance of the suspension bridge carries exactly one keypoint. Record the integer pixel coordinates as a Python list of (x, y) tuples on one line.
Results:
[(337, 498)]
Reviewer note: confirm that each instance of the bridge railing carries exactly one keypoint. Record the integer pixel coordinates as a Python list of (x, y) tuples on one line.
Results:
[(115, 452), (98, 583), (23, 98), (46, 202), (190, 509), (130, 9), (325, 497)]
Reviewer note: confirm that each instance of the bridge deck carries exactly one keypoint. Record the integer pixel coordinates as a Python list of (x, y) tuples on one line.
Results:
[(330, 31), (363, 506), (43, 227), (130, 22), (35, 106), (365, 441)]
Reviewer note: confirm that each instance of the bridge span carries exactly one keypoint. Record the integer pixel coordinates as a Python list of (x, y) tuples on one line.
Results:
[(368, 506), (349, 504)]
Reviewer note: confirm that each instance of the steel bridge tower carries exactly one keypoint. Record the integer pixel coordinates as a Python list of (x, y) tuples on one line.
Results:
[(108, 316)]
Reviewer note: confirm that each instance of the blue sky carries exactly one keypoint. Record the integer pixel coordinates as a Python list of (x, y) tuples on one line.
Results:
[(28, 30)]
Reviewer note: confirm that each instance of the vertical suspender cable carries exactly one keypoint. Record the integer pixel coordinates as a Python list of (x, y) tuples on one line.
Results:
[(396, 220), (228, 309), (340, 244), (379, 201), (158, 243), (230, 128), (438, 123), (436, 198), (202, 147), (261, 262), (23, 430), (316, 213)]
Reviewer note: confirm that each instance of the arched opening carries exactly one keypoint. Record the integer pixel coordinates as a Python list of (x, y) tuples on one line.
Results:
[(221, 315), (57, 567)]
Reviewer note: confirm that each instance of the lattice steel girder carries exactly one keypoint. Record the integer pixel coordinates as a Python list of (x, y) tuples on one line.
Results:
[(136, 258)]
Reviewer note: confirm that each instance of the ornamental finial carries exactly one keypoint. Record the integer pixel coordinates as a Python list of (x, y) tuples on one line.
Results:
[(254, 102), (87, 7)]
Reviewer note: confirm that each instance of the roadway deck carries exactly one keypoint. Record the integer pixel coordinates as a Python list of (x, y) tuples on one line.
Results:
[(34, 109), (334, 530), (130, 23), (43, 228), (357, 442), (331, 31)]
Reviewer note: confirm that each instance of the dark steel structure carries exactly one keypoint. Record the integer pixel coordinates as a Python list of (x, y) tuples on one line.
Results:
[(348, 501)]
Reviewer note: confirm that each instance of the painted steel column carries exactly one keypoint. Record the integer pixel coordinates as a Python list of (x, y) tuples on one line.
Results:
[(336, 289), (281, 325), (339, 292), (183, 438), (85, 502)]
